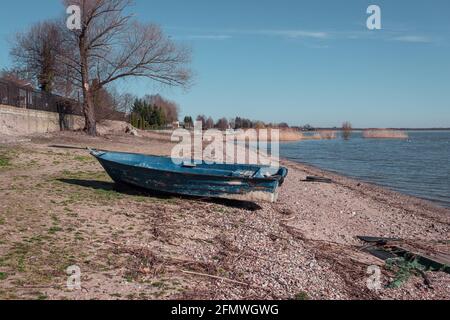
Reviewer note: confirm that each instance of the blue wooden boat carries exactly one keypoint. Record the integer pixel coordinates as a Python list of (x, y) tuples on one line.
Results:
[(162, 174)]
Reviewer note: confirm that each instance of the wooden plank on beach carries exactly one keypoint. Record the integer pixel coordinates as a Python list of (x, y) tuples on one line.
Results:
[(376, 239), (433, 255)]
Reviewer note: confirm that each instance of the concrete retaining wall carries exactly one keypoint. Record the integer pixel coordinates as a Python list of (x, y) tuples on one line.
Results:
[(18, 121)]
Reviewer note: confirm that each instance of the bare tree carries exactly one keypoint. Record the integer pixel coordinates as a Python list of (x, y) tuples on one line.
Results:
[(34, 54), (259, 125), (111, 46), (209, 123), (202, 119), (347, 130), (222, 124), (105, 105), (170, 108), (123, 102)]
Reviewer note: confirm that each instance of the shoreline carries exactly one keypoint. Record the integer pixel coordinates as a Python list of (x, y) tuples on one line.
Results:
[(353, 182), (327, 172), (134, 245)]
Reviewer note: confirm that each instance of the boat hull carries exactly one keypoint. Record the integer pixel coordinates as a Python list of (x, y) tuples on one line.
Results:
[(242, 189)]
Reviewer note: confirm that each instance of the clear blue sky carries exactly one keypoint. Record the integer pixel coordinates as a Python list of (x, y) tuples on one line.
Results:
[(296, 61)]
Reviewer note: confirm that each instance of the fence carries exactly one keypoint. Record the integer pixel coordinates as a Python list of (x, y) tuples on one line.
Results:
[(25, 97)]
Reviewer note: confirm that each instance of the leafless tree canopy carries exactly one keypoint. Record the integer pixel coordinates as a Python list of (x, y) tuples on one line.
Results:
[(111, 46), (222, 124), (202, 119), (347, 130), (170, 108), (117, 47), (123, 102), (34, 54), (209, 123)]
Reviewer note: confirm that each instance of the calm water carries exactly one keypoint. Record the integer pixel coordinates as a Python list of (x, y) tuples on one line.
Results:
[(419, 166)]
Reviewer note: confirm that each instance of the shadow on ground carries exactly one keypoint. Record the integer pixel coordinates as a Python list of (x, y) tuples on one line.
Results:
[(135, 191)]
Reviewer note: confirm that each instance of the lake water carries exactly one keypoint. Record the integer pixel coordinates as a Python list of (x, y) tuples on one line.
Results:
[(419, 166)]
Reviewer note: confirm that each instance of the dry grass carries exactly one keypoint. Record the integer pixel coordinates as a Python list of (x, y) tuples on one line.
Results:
[(289, 135), (284, 135), (320, 135), (327, 135), (385, 134)]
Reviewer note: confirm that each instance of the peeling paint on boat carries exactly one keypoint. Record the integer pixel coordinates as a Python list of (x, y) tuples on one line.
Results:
[(235, 183), (253, 196)]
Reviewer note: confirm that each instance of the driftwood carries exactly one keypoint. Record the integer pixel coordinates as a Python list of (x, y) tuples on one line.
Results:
[(318, 179), (214, 277)]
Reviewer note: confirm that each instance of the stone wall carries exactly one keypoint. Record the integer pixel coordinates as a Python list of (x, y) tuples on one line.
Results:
[(19, 121)]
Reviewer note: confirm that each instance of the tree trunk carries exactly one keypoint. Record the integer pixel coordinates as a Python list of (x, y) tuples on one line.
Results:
[(88, 104), (89, 115)]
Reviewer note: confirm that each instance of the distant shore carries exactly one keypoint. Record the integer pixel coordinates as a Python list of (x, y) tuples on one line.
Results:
[(292, 135)]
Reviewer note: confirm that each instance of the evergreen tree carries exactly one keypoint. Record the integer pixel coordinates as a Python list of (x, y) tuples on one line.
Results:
[(188, 122), (146, 116)]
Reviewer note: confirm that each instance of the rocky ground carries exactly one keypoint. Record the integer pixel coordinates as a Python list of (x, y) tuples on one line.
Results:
[(58, 209)]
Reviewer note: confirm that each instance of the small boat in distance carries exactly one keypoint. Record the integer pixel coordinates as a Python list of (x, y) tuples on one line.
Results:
[(162, 174)]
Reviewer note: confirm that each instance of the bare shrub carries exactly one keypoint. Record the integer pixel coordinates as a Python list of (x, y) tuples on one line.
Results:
[(347, 130)]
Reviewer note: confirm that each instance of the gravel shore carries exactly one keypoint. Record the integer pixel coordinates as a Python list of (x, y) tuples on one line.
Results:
[(134, 246)]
